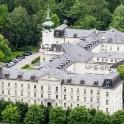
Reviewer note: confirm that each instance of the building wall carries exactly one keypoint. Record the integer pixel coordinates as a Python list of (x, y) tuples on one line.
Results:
[(48, 37), (109, 47), (50, 90), (83, 68)]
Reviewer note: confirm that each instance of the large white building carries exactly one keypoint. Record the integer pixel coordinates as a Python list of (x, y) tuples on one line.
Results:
[(79, 68)]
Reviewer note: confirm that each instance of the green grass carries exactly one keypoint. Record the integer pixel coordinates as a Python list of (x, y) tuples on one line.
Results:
[(12, 56)]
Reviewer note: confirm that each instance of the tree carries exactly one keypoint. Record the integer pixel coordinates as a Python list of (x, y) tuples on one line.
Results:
[(18, 28), (95, 8), (118, 117), (63, 9), (55, 19), (87, 22), (57, 116), (3, 105), (9, 3), (121, 71), (32, 6), (5, 51), (79, 115), (100, 118), (23, 109), (112, 4), (47, 114), (118, 18), (3, 16), (23, 30), (10, 114), (34, 115)]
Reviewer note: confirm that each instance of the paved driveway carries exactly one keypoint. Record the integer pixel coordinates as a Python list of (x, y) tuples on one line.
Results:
[(27, 60)]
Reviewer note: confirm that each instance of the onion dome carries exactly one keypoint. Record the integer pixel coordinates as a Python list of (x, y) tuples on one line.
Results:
[(48, 22)]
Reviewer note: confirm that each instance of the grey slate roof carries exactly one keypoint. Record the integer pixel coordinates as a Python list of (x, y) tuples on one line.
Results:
[(73, 53)]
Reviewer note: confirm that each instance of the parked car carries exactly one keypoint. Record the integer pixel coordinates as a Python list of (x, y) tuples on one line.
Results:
[(26, 54)]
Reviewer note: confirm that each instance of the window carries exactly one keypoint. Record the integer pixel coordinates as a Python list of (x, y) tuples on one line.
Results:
[(34, 94), (34, 101), (91, 99), (49, 88), (84, 99), (2, 84), (107, 110), (71, 90), (84, 91), (8, 84), (49, 96), (71, 105), (111, 60), (98, 93), (71, 97), (77, 90), (56, 89), (21, 85), (2, 91), (77, 98), (28, 86), (34, 86), (98, 100), (64, 89), (97, 59), (15, 85), (56, 96), (107, 102), (107, 94), (91, 106), (110, 47), (65, 105), (15, 92), (41, 88), (28, 94), (106, 60), (56, 104), (64, 97), (21, 93), (41, 95), (91, 91), (118, 48), (8, 92), (97, 107), (77, 105)]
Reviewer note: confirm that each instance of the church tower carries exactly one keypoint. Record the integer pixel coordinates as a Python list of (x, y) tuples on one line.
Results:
[(48, 31)]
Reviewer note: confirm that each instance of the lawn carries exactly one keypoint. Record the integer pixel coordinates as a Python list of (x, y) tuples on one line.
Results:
[(12, 56)]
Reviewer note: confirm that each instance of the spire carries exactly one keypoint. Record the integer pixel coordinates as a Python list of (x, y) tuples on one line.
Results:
[(48, 14), (48, 22)]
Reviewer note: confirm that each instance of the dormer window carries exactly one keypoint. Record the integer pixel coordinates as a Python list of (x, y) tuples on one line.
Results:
[(107, 84), (82, 82), (33, 78), (6, 76), (62, 81), (69, 80), (96, 83), (20, 77)]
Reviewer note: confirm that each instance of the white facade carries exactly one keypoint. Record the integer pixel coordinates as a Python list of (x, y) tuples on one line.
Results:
[(50, 90)]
